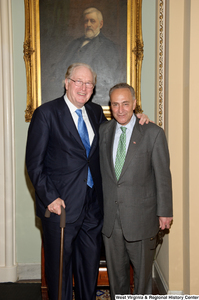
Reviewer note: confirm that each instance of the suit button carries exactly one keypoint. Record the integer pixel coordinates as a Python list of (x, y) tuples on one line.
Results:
[(118, 185), (115, 202), (85, 180)]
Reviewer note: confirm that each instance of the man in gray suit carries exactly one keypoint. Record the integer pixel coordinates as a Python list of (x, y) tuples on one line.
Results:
[(137, 192)]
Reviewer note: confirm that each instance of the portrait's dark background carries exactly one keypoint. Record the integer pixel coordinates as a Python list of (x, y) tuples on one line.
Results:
[(61, 22)]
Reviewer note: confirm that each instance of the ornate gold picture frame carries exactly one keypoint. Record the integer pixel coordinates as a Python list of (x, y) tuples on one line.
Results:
[(32, 55)]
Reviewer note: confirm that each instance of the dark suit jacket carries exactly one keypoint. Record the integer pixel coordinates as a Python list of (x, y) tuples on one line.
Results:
[(56, 158), (143, 191), (100, 50)]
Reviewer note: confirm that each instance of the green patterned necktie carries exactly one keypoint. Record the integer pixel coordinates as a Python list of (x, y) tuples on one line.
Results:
[(121, 153)]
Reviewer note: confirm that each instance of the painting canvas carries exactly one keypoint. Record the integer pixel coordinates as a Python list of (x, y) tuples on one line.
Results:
[(62, 42)]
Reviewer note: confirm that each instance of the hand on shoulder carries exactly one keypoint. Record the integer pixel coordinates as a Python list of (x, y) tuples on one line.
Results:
[(144, 119)]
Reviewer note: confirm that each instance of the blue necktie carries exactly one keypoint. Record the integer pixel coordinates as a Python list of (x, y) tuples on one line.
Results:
[(83, 132)]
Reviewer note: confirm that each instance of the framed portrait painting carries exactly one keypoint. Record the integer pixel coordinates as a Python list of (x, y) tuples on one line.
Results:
[(59, 33)]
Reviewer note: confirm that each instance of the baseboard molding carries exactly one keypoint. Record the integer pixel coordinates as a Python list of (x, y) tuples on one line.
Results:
[(8, 274), (175, 293), (29, 271), (161, 283), (33, 272), (159, 278)]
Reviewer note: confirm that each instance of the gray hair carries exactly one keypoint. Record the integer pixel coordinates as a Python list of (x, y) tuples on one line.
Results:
[(91, 10), (72, 67), (123, 85)]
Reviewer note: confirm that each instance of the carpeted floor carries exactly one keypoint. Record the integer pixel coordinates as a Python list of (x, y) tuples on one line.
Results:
[(103, 294), (32, 291), (20, 291)]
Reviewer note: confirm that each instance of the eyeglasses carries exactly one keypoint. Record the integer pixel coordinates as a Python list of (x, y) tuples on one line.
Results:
[(79, 83)]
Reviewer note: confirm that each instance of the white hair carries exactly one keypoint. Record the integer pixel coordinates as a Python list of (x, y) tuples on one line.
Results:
[(91, 10)]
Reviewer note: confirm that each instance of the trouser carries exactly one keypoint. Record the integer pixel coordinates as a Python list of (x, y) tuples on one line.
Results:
[(82, 245), (120, 253)]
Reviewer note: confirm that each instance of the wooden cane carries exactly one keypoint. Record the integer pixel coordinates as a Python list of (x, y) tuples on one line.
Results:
[(62, 226)]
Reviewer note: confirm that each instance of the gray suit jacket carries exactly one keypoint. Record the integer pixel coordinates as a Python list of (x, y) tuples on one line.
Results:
[(143, 191)]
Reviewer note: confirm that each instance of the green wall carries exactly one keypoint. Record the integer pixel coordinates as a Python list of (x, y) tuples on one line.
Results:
[(148, 78), (27, 234)]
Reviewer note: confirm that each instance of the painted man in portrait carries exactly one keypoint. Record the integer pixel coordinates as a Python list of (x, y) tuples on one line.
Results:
[(96, 50)]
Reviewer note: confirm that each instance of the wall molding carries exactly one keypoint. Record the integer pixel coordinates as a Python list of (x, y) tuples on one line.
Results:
[(161, 27), (8, 267), (161, 282), (159, 278), (29, 271)]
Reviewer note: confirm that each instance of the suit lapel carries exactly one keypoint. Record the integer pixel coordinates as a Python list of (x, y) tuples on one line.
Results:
[(109, 138), (134, 143), (93, 124), (67, 120), (94, 44)]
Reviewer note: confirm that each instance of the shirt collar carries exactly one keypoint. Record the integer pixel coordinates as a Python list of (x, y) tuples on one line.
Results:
[(71, 106)]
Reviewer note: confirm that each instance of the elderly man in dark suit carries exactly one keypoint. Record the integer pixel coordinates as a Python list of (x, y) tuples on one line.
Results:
[(137, 193), (64, 168)]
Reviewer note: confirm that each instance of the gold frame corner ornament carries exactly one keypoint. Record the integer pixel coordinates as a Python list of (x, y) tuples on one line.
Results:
[(33, 62), (135, 48), (31, 50)]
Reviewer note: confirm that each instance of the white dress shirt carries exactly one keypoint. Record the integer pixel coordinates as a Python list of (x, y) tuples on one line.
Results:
[(118, 132), (75, 117)]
